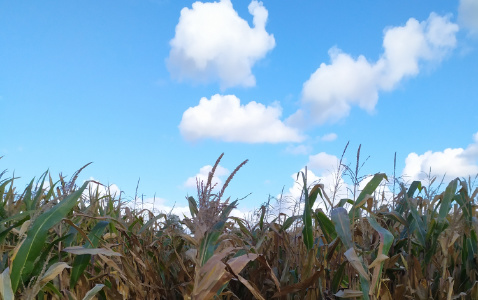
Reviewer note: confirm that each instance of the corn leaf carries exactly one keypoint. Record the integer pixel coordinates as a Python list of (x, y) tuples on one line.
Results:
[(386, 240), (368, 190), (6, 285), (342, 226), (307, 230), (24, 261), (81, 261), (53, 271), (91, 293), (326, 225)]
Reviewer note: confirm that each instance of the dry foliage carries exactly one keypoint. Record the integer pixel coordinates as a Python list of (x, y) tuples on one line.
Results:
[(67, 242)]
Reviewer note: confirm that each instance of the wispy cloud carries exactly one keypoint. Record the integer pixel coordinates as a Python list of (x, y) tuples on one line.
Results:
[(330, 137), (468, 15)]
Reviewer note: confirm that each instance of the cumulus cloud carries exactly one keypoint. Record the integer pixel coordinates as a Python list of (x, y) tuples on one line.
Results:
[(213, 42), (333, 88), (454, 162), (204, 174), (224, 118), (468, 15)]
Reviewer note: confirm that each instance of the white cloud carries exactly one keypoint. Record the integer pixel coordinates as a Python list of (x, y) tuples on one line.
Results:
[(321, 168), (333, 88), (213, 42), (103, 189), (323, 162), (224, 118), (468, 15), (298, 150), (454, 162), (204, 174), (329, 137)]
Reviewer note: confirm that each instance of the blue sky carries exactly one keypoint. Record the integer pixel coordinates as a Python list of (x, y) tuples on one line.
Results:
[(157, 90)]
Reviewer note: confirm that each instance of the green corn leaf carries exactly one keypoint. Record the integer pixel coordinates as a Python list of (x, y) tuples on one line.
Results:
[(27, 199), (447, 199), (209, 242), (342, 226), (242, 226), (338, 276), (395, 216), (81, 261), (307, 230), (326, 225), (39, 192), (289, 222), (30, 249), (41, 260), (342, 202), (369, 189), (3, 186), (150, 222), (314, 192), (421, 228), (413, 187), (193, 206), (5, 232)]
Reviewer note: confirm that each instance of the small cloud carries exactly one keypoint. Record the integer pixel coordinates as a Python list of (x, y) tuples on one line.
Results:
[(213, 43), (298, 150), (468, 15), (334, 88), (329, 137), (224, 118), (454, 162), (204, 174)]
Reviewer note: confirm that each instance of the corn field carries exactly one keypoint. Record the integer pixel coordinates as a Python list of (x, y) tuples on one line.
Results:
[(60, 240)]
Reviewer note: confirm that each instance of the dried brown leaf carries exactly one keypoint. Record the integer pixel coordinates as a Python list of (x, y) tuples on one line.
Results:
[(355, 261)]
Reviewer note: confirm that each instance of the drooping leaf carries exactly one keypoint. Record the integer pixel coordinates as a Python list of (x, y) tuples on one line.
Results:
[(386, 240), (79, 250), (91, 293), (368, 190), (150, 222), (193, 206), (342, 226), (326, 225), (288, 222), (53, 271)]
